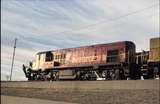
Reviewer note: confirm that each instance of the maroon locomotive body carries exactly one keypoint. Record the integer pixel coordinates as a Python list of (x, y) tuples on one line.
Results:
[(101, 61)]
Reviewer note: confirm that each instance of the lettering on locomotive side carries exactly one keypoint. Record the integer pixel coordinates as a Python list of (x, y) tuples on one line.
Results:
[(85, 59)]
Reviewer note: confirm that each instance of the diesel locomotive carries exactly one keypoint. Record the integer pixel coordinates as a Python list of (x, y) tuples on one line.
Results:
[(149, 61), (110, 61)]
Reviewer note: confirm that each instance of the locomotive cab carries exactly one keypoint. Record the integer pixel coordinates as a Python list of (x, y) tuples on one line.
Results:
[(44, 61)]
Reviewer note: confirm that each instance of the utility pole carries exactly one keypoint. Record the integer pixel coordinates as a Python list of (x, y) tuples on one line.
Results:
[(13, 58)]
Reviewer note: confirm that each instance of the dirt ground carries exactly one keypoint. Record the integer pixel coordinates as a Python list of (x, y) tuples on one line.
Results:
[(110, 96), (23, 100)]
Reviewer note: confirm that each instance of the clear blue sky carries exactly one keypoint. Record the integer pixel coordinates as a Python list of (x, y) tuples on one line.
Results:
[(43, 25)]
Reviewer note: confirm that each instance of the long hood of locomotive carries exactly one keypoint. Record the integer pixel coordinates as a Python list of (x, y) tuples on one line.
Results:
[(84, 56)]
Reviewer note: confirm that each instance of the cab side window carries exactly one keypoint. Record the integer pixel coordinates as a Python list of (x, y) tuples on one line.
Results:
[(49, 56)]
